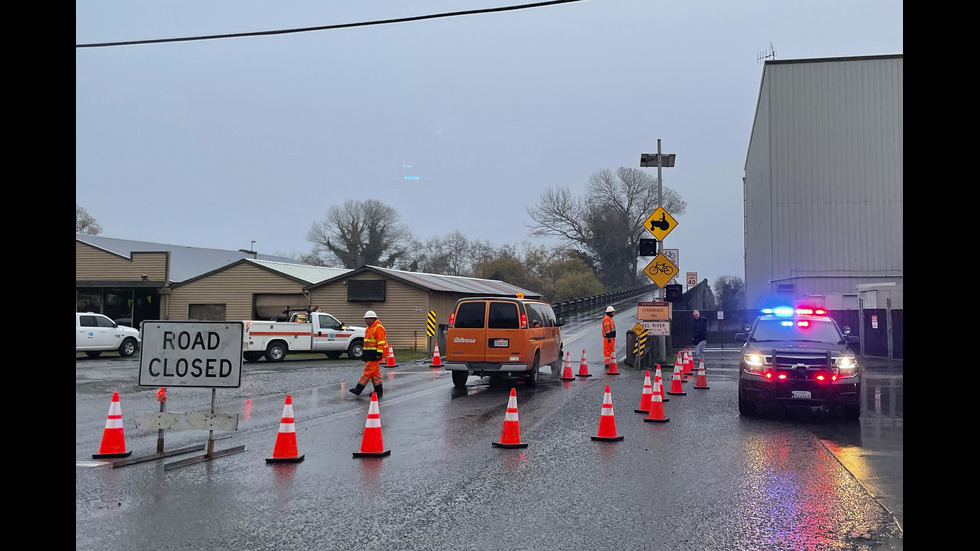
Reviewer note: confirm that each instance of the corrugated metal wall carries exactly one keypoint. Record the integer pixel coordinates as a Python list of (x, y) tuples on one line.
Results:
[(831, 134)]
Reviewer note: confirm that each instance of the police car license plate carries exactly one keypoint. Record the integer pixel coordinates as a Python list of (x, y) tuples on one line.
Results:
[(805, 394)]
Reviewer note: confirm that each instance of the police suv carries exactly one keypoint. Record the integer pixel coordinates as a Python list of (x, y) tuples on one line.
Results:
[(798, 357)]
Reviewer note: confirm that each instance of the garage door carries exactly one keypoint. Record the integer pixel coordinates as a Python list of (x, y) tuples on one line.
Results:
[(278, 307)]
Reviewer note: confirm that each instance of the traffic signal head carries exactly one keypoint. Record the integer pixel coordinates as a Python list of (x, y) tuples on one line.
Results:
[(648, 247), (673, 293)]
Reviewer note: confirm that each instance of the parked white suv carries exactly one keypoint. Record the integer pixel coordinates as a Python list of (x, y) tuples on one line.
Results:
[(96, 333)]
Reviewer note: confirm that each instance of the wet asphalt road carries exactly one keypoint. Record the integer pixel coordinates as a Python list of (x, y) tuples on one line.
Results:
[(707, 479)]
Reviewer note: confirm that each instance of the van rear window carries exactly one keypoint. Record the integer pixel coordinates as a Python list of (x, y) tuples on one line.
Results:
[(503, 315), (470, 315)]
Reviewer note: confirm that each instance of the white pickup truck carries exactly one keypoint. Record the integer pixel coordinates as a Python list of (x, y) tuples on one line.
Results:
[(304, 332), (96, 333)]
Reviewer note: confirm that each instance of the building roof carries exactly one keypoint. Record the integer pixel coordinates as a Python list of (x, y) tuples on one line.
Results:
[(185, 262), (444, 283)]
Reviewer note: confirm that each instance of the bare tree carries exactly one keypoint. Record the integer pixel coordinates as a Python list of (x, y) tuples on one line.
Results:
[(606, 225), (85, 223), (730, 292), (368, 229)]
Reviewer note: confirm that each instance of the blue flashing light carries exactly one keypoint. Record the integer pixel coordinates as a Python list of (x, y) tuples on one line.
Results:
[(783, 311), (786, 323)]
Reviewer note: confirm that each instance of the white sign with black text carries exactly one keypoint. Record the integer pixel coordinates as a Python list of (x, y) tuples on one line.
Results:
[(192, 354)]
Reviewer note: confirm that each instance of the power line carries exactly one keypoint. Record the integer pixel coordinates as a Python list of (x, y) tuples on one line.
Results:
[(325, 27)]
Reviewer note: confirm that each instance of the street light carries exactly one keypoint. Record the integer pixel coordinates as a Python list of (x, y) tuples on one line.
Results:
[(659, 160)]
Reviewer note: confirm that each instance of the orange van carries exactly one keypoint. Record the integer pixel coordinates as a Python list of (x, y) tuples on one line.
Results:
[(502, 337)]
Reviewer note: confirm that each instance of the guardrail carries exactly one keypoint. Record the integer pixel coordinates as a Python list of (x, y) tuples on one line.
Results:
[(586, 304)]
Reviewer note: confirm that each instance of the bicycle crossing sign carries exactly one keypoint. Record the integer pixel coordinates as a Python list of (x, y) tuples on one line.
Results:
[(661, 270), (660, 223)]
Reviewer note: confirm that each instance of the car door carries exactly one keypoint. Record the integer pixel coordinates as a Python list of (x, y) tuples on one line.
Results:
[(325, 335), (542, 330), (504, 342), (94, 332), (467, 338)]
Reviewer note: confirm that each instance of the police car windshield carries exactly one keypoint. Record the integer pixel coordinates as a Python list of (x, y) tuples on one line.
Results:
[(788, 329)]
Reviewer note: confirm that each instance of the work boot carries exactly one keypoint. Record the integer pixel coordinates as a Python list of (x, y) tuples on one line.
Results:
[(357, 389), (378, 388)]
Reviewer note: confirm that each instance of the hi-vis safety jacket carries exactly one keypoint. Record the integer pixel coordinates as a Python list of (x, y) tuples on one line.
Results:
[(375, 340), (608, 327)]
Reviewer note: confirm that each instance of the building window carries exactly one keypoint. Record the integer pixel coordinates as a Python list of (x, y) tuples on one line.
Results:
[(366, 290), (206, 312), (88, 300)]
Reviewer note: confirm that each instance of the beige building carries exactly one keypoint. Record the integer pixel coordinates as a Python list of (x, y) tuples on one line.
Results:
[(136, 281)]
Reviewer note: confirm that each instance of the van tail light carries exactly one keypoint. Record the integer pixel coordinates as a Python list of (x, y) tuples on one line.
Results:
[(523, 321), (452, 318)]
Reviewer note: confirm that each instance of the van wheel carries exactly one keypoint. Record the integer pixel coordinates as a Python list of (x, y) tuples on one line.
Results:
[(459, 378), (532, 377), (557, 364)]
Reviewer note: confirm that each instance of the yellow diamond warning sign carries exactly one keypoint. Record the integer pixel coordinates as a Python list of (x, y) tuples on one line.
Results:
[(660, 223), (661, 270)]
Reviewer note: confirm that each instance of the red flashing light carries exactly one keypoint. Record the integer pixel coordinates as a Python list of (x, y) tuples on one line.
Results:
[(821, 377), (452, 319), (768, 375), (782, 376), (820, 312), (802, 323), (523, 321)]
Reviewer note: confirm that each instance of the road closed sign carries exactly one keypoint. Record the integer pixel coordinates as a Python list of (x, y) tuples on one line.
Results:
[(191, 353)]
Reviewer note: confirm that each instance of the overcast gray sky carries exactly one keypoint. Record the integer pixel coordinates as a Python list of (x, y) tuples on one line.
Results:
[(457, 122)]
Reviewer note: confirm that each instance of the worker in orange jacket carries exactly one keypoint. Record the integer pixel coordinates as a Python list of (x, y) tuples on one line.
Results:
[(608, 336), (375, 345)]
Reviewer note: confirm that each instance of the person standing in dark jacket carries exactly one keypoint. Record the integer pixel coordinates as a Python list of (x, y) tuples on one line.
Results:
[(699, 336)]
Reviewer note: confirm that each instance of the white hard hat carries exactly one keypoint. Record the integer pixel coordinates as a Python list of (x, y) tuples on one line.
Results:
[(610, 309), (370, 314)]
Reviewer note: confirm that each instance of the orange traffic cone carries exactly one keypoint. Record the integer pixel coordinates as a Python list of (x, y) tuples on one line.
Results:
[(646, 395), (656, 409), (510, 434), (658, 384), (285, 450), (583, 368), (675, 381), (688, 363), (371, 442), (613, 369), (436, 358), (391, 358), (113, 442), (702, 382), (607, 420), (567, 373)]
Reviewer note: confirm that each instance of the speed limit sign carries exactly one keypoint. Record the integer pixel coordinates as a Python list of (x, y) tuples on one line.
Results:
[(692, 279)]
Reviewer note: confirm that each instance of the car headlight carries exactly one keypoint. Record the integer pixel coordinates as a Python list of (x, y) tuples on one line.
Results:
[(847, 366), (754, 361)]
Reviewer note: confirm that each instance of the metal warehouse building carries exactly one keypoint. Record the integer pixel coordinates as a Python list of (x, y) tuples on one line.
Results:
[(823, 185)]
